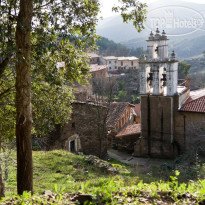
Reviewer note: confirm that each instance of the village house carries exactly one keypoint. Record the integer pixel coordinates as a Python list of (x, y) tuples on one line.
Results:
[(126, 63), (120, 63), (172, 116), (111, 62), (137, 112), (98, 71), (94, 58), (126, 138), (120, 115), (85, 132)]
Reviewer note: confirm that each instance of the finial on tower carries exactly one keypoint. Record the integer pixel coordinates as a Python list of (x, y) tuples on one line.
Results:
[(151, 36), (164, 36), (173, 55)]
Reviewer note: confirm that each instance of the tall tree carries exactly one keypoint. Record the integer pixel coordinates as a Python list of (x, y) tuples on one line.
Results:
[(36, 34), (23, 98)]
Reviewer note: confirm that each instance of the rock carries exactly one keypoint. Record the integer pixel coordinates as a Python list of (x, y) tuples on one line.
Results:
[(105, 166), (47, 193)]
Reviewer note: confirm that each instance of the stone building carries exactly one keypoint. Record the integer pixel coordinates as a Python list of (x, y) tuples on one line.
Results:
[(111, 62), (86, 131), (94, 58), (120, 63), (98, 71), (127, 137), (125, 63), (167, 117), (137, 112), (120, 115)]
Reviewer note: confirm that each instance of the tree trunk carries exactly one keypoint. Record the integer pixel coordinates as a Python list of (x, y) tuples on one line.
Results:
[(2, 187), (23, 98)]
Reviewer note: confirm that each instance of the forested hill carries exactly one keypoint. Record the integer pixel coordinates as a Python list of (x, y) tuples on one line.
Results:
[(108, 47)]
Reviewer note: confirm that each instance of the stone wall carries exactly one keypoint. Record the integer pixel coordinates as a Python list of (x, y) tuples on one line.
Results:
[(86, 131), (126, 143), (157, 127), (190, 130), (167, 132)]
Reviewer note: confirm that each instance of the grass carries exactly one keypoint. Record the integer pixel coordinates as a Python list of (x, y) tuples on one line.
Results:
[(63, 172), (66, 170)]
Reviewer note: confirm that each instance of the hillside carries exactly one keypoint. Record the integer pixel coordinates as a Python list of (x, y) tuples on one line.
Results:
[(180, 38), (71, 179), (108, 47)]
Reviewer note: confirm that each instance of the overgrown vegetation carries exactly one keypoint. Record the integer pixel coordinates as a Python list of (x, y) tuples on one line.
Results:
[(124, 88), (68, 176), (110, 48)]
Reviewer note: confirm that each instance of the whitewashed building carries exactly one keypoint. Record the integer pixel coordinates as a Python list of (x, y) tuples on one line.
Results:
[(120, 63)]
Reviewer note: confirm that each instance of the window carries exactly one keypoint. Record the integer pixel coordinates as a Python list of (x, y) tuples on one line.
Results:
[(121, 63), (109, 62), (115, 67), (115, 61), (132, 63), (110, 68)]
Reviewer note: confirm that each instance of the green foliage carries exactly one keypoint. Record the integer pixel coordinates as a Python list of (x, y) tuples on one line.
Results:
[(63, 172), (122, 96), (7, 104), (107, 47), (60, 33), (183, 69), (134, 11)]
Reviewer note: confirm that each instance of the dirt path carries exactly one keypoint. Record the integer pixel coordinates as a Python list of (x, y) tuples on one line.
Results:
[(141, 162)]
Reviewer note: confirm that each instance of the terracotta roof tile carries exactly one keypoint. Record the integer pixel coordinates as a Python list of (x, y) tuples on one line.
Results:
[(115, 112), (96, 67), (197, 105), (130, 130)]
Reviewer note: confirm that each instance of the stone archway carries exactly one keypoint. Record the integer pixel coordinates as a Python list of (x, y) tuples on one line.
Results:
[(73, 144)]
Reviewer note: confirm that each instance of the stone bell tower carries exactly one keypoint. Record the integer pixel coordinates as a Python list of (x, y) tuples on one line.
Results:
[(158, 88)]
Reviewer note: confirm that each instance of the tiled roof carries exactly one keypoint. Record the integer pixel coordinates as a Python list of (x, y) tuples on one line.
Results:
[(137, 109), (93, 55), (96, 67), (130, 130), (196, 94), (115, 112), (110, 58), (197, 105)]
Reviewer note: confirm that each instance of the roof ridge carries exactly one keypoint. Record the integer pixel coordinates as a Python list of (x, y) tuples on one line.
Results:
[(193, 100)]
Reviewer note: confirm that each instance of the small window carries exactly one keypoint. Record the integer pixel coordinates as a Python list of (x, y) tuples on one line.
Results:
[(121, 63), (132, 63), (115, 67), (109, 62), (110, 68), (115, 61)]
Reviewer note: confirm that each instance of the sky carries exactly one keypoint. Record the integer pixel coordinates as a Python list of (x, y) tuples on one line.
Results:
[(106, 6)]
